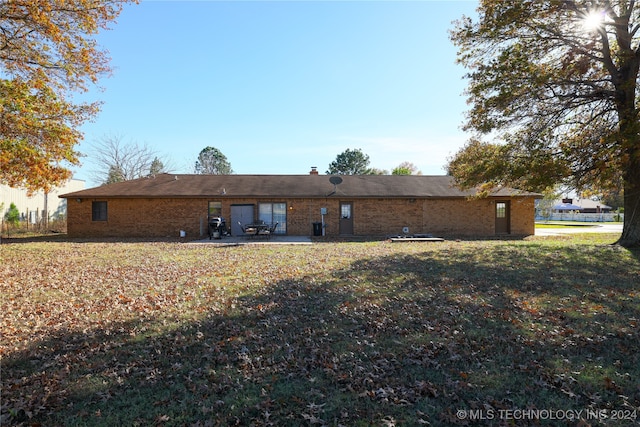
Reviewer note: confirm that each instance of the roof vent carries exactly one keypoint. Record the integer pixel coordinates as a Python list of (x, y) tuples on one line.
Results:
[(314, 170)]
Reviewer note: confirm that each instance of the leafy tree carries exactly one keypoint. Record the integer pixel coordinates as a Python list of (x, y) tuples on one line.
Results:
[(376, 171), (613, 199), (559, 97), (350, 162), (119, 161), (115, 175), (549, 199), (13, 215), (406, 168), (401, 171), (156, 167), (211, 161), (47, 52), (37, 134)]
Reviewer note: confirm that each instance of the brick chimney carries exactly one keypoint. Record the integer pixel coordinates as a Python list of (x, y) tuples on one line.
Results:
[(314, 170)]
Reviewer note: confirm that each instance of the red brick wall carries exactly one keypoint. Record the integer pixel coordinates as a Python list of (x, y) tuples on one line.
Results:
[(523, 216), (390, 216), (137, 217), (167, 217)]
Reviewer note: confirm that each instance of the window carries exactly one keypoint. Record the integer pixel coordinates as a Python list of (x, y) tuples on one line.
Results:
[(215, 209), (271, 213), (98, 211), (345, 211), (501, 210)]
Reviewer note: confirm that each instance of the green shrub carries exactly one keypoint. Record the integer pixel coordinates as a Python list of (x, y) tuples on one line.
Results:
[(13, 215)]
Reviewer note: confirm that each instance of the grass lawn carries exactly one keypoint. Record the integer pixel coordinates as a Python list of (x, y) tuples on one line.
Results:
[(562, 224), (542, 331), (555, 225)]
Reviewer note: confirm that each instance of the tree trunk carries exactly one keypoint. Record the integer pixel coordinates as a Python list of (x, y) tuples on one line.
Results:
[(629, 127), (631, 229), (631, 135)]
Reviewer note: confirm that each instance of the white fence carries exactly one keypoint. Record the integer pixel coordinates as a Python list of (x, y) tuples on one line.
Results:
[(581, 217)]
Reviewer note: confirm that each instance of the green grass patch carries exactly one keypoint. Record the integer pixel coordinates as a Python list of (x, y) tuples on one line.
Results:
[(369, 333), (567, 224)]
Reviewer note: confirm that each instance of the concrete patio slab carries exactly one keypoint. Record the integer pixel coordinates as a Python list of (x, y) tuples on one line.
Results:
[(242, 240)]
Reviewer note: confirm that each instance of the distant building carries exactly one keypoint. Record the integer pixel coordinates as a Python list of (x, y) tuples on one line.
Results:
[(575, 209), (40, 205), (584, 205)]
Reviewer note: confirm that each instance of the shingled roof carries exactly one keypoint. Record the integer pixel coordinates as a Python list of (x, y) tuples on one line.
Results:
[(284, 186)]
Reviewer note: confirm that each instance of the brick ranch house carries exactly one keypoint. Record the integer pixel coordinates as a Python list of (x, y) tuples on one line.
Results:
[(359, 205)]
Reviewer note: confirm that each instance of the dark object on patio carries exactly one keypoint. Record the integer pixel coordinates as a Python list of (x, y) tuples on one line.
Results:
[(269, 231), (317, 229), (217, 227), (248, 230)]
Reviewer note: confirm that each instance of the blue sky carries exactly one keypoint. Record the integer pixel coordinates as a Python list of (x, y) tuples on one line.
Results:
[(279, 87)]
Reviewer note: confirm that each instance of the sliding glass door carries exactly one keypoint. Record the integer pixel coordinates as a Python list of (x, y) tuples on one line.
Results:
[(271, 213)]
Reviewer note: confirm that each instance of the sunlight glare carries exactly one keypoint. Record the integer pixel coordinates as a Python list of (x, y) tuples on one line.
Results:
[(593, 20)]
